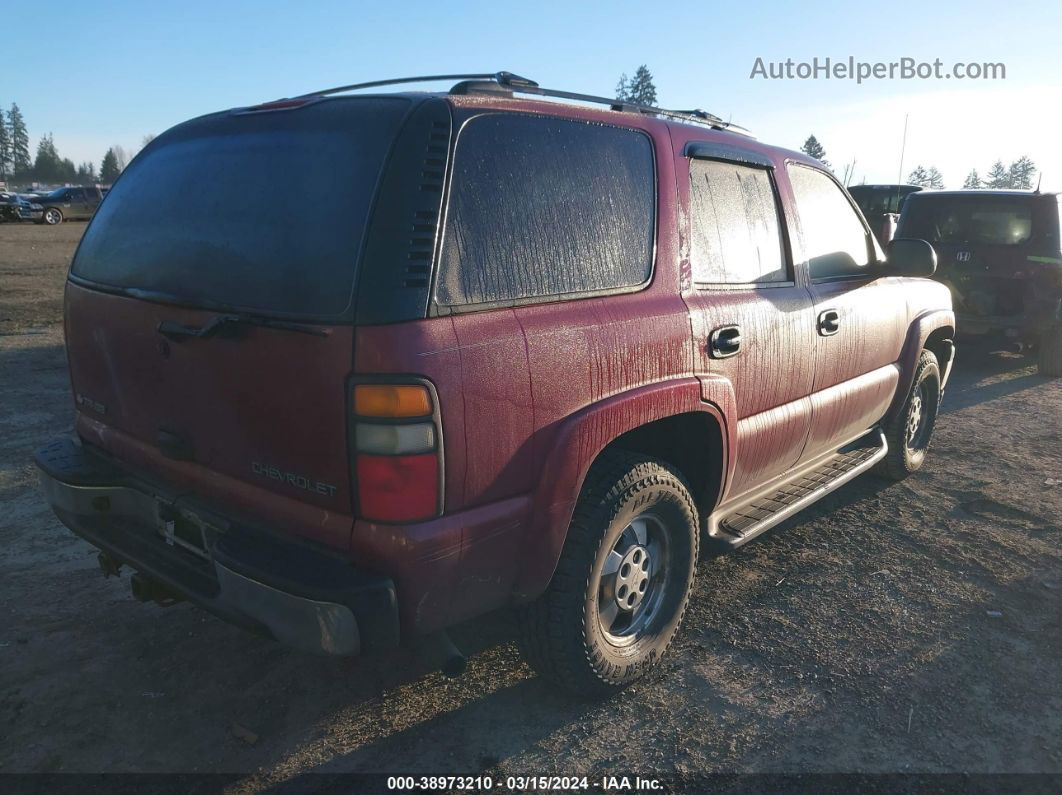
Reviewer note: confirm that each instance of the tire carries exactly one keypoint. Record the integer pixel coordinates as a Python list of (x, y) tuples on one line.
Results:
[(53, 216), (1050, 358), (633, 539), (909, 433)]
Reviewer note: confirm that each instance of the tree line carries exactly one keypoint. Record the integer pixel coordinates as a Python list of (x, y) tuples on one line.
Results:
[(47, 166), (1019, 175)]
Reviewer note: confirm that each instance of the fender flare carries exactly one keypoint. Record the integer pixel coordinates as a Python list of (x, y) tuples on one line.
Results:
[(919, 331), (577, 445)]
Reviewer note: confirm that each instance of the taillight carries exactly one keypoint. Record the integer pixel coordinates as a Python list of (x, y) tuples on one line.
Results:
[(396, 452)]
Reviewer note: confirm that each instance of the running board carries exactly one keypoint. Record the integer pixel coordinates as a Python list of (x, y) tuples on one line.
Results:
[(733, 525)]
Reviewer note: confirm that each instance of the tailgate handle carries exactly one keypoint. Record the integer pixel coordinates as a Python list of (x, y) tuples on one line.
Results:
[(174, 445)]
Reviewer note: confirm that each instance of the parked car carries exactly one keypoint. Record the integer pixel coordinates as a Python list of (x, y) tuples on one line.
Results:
[(70, 203), (529, 353), (1000, 255), (15, 208), (881, 206)]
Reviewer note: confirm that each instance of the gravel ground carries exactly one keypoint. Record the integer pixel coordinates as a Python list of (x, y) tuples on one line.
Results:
[(890, 628)]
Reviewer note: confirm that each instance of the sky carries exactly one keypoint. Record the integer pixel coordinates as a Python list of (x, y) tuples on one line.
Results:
[(105, 73)]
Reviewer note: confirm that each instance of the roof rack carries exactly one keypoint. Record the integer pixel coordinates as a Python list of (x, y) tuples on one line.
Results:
[(509, 83)]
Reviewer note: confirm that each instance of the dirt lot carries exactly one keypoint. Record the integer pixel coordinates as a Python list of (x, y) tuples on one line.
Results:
[(909, 627)]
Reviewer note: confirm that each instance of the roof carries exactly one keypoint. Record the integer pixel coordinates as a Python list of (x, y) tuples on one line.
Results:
[(983, 192)]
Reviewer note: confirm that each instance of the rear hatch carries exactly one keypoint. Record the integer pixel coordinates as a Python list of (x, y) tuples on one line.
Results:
[(997, 252), (209, 311)]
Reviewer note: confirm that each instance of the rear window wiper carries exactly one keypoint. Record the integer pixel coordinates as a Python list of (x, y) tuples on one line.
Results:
[(177, 331)]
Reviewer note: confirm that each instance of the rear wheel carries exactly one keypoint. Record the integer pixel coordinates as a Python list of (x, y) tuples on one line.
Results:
[(909, 432), (1050, 358), (52, 216), (623, 581)]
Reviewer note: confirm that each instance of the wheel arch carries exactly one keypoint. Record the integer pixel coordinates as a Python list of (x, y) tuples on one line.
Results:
[(934, 331), (644, 420)]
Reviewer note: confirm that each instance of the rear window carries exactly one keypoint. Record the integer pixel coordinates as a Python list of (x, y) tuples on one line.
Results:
[(261, 211), (880, 198), (545, 208), (969, 220)]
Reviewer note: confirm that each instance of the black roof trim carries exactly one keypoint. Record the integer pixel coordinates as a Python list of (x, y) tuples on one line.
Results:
[(708, 150)]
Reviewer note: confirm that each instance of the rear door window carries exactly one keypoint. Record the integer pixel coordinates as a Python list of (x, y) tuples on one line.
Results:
[(260, 211), (735, 237), (543, 208), (835, 241)]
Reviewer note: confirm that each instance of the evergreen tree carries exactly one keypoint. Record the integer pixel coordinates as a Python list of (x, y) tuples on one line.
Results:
[(67, 170), (812, 148), (998, 176), (5, 149), (973, 181), (919, 176), (86, 174), (934, 179), (1021, 173), (47, 167), (638, 89), (20, 156), (109, 169), (641, 88)]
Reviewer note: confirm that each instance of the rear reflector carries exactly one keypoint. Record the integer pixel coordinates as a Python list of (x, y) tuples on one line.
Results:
[(378, 400), (395, 439), (398, 488)]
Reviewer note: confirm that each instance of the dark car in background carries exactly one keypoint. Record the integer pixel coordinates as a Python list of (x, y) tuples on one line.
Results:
[(999, 252), (881, 204), (63, 204), (14, 208)]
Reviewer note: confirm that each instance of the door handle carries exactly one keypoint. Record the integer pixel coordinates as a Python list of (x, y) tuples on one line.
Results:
[(724, 341), (829, 322)]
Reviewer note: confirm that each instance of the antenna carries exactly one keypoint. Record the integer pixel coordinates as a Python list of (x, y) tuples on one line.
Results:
[(903, 148), (1039, 179)]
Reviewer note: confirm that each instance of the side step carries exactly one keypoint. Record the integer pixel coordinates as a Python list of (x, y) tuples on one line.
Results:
[(733, 525)]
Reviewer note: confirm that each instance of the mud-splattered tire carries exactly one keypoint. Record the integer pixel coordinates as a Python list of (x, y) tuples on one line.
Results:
[(623, 581), (1050, 357), (911, 430)]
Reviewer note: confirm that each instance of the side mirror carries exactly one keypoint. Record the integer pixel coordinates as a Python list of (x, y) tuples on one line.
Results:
[(907, 256)]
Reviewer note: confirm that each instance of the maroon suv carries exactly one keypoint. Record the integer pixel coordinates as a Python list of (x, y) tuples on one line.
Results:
[(418, 356)]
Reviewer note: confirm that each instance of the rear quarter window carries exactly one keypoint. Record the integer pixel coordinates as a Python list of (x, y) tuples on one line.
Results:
[(543, 208)]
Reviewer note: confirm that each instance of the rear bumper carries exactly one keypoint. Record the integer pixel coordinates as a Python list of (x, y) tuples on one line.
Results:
[(1038, 316), (298, 594)]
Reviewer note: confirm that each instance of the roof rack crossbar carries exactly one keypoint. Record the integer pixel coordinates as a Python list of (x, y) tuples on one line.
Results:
[(522, 85), (502, 78)]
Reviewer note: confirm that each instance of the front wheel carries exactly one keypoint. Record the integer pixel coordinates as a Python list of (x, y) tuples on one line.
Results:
[(909, 432), (1050, 357), (623, 581), (52, 216)]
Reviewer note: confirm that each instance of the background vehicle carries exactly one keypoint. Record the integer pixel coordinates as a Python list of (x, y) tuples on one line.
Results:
[(584, 341), (881, 205), (1000, 255), (70, 203), (15, 208)]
